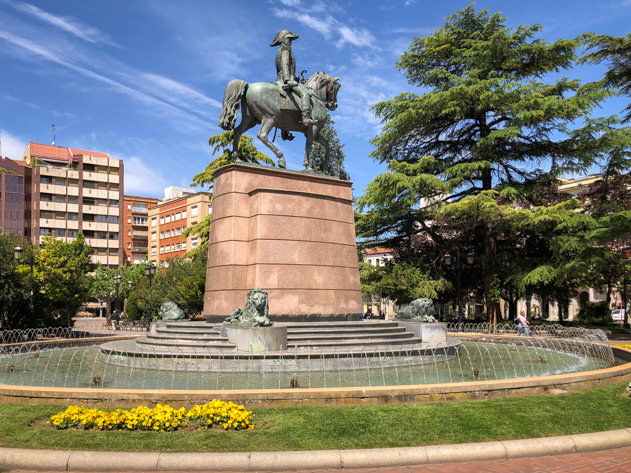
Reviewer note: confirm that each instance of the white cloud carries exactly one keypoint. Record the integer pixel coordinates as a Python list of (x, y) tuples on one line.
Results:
[(356, 37), (12, 146), (141, 179), (69, 25), (157, 103), (323, 26), (328, 26), (169, 86), (290, 3)]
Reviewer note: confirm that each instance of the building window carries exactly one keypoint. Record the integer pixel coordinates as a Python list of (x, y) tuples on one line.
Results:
[(210, 208), (161, 220), (113, 219), (183, 213), (194, 211), (45, 180), (45, 232), (73, 216), (161, 235), (128, 232), (178, 216), (153, 236), (184, 246), (167, 219), (154, 221), (59, 232), (161, 249), (113, 203), (113, 236), (178, 247), (153, 251), (72, 233), (73, 200), (128, 206), (128, 219), (101, 218), (194, 243), (178, 231), (129, 246)]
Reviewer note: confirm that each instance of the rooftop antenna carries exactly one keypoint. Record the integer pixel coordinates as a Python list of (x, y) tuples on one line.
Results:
[(54, 129)]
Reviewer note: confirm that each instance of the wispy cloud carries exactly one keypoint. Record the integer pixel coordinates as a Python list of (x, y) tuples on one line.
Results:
[(69, 25), (290, 3), (316, 17)]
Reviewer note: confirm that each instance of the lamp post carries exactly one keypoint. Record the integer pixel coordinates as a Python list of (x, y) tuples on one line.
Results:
[(150, 271), (117, 281), (458, 265), (17, 253)]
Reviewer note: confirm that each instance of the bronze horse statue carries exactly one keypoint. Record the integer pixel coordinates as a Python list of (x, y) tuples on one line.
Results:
[(269, 104)]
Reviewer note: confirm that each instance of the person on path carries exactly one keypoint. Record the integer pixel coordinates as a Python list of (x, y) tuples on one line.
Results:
[(522, 324)]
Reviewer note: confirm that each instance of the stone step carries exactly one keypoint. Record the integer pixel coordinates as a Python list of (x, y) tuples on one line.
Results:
[(175, 342), (353, 342), (345, 336), (190, 331), (348, 331), (339, 325)]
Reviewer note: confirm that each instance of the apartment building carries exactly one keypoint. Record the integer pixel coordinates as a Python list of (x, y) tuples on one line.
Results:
[(13, 175), (169, 218), (136, 227), (72, 190)]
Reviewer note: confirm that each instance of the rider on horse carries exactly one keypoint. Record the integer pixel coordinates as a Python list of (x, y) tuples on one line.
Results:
[(286, 73)]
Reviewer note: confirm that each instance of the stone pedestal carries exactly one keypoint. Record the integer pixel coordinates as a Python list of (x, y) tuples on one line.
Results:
[(290, 233), (428, 332), (257, 339)]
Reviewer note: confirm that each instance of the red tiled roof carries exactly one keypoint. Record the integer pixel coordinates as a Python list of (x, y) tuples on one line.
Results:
[(375, 251), (51, 152), (89, 153), (60, 152)]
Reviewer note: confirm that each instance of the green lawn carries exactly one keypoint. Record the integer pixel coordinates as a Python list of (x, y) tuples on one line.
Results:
[(307, 428)]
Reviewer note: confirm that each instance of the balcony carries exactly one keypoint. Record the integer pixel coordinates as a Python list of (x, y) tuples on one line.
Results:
[(114, 179), (52, 223), (139, 249), (140, 234), (113, 227), (73, 208), (99, 161), (96, 242), (53, 189), (113, 195), (113, 211), (94, 176), (95, 209), (53, 206), (58, 172), (95, 193), (140, 210), (95, 226)]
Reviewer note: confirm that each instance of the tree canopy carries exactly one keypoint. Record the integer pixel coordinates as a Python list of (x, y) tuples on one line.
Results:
[(497, 127)]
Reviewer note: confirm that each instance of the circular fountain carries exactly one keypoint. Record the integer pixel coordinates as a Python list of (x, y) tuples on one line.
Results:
[(379, 362)]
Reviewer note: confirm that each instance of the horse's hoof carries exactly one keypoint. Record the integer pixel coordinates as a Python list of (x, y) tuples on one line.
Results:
[(282, 164)]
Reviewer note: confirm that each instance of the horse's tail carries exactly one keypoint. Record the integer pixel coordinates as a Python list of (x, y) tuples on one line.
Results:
[(231, 100)]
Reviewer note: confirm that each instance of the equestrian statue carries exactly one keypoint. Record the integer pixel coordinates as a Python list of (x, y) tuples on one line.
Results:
[(290, 103)]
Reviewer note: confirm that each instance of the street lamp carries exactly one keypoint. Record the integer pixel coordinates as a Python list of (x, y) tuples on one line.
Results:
[(458, 264), (17, 253), (117, 281), (150, 271)]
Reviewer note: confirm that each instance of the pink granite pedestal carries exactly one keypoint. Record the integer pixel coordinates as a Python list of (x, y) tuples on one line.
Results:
[(290, 233)]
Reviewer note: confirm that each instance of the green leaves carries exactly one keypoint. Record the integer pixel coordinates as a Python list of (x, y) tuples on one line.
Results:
[(222, 145)]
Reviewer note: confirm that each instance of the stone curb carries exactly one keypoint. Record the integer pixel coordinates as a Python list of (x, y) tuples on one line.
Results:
[(56, 460)]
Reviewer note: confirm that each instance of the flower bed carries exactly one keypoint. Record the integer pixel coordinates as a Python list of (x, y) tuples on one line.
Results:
[(162, 418)]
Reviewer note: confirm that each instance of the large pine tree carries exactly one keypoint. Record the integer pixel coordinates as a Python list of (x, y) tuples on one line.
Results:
[(497, 120)]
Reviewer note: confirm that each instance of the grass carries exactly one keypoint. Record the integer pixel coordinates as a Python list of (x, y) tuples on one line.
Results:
[(313, 428)]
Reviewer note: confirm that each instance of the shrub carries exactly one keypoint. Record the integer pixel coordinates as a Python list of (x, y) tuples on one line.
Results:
[(594, 313)]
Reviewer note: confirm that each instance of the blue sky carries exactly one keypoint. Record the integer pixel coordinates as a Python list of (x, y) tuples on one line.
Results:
[(143, 80)]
